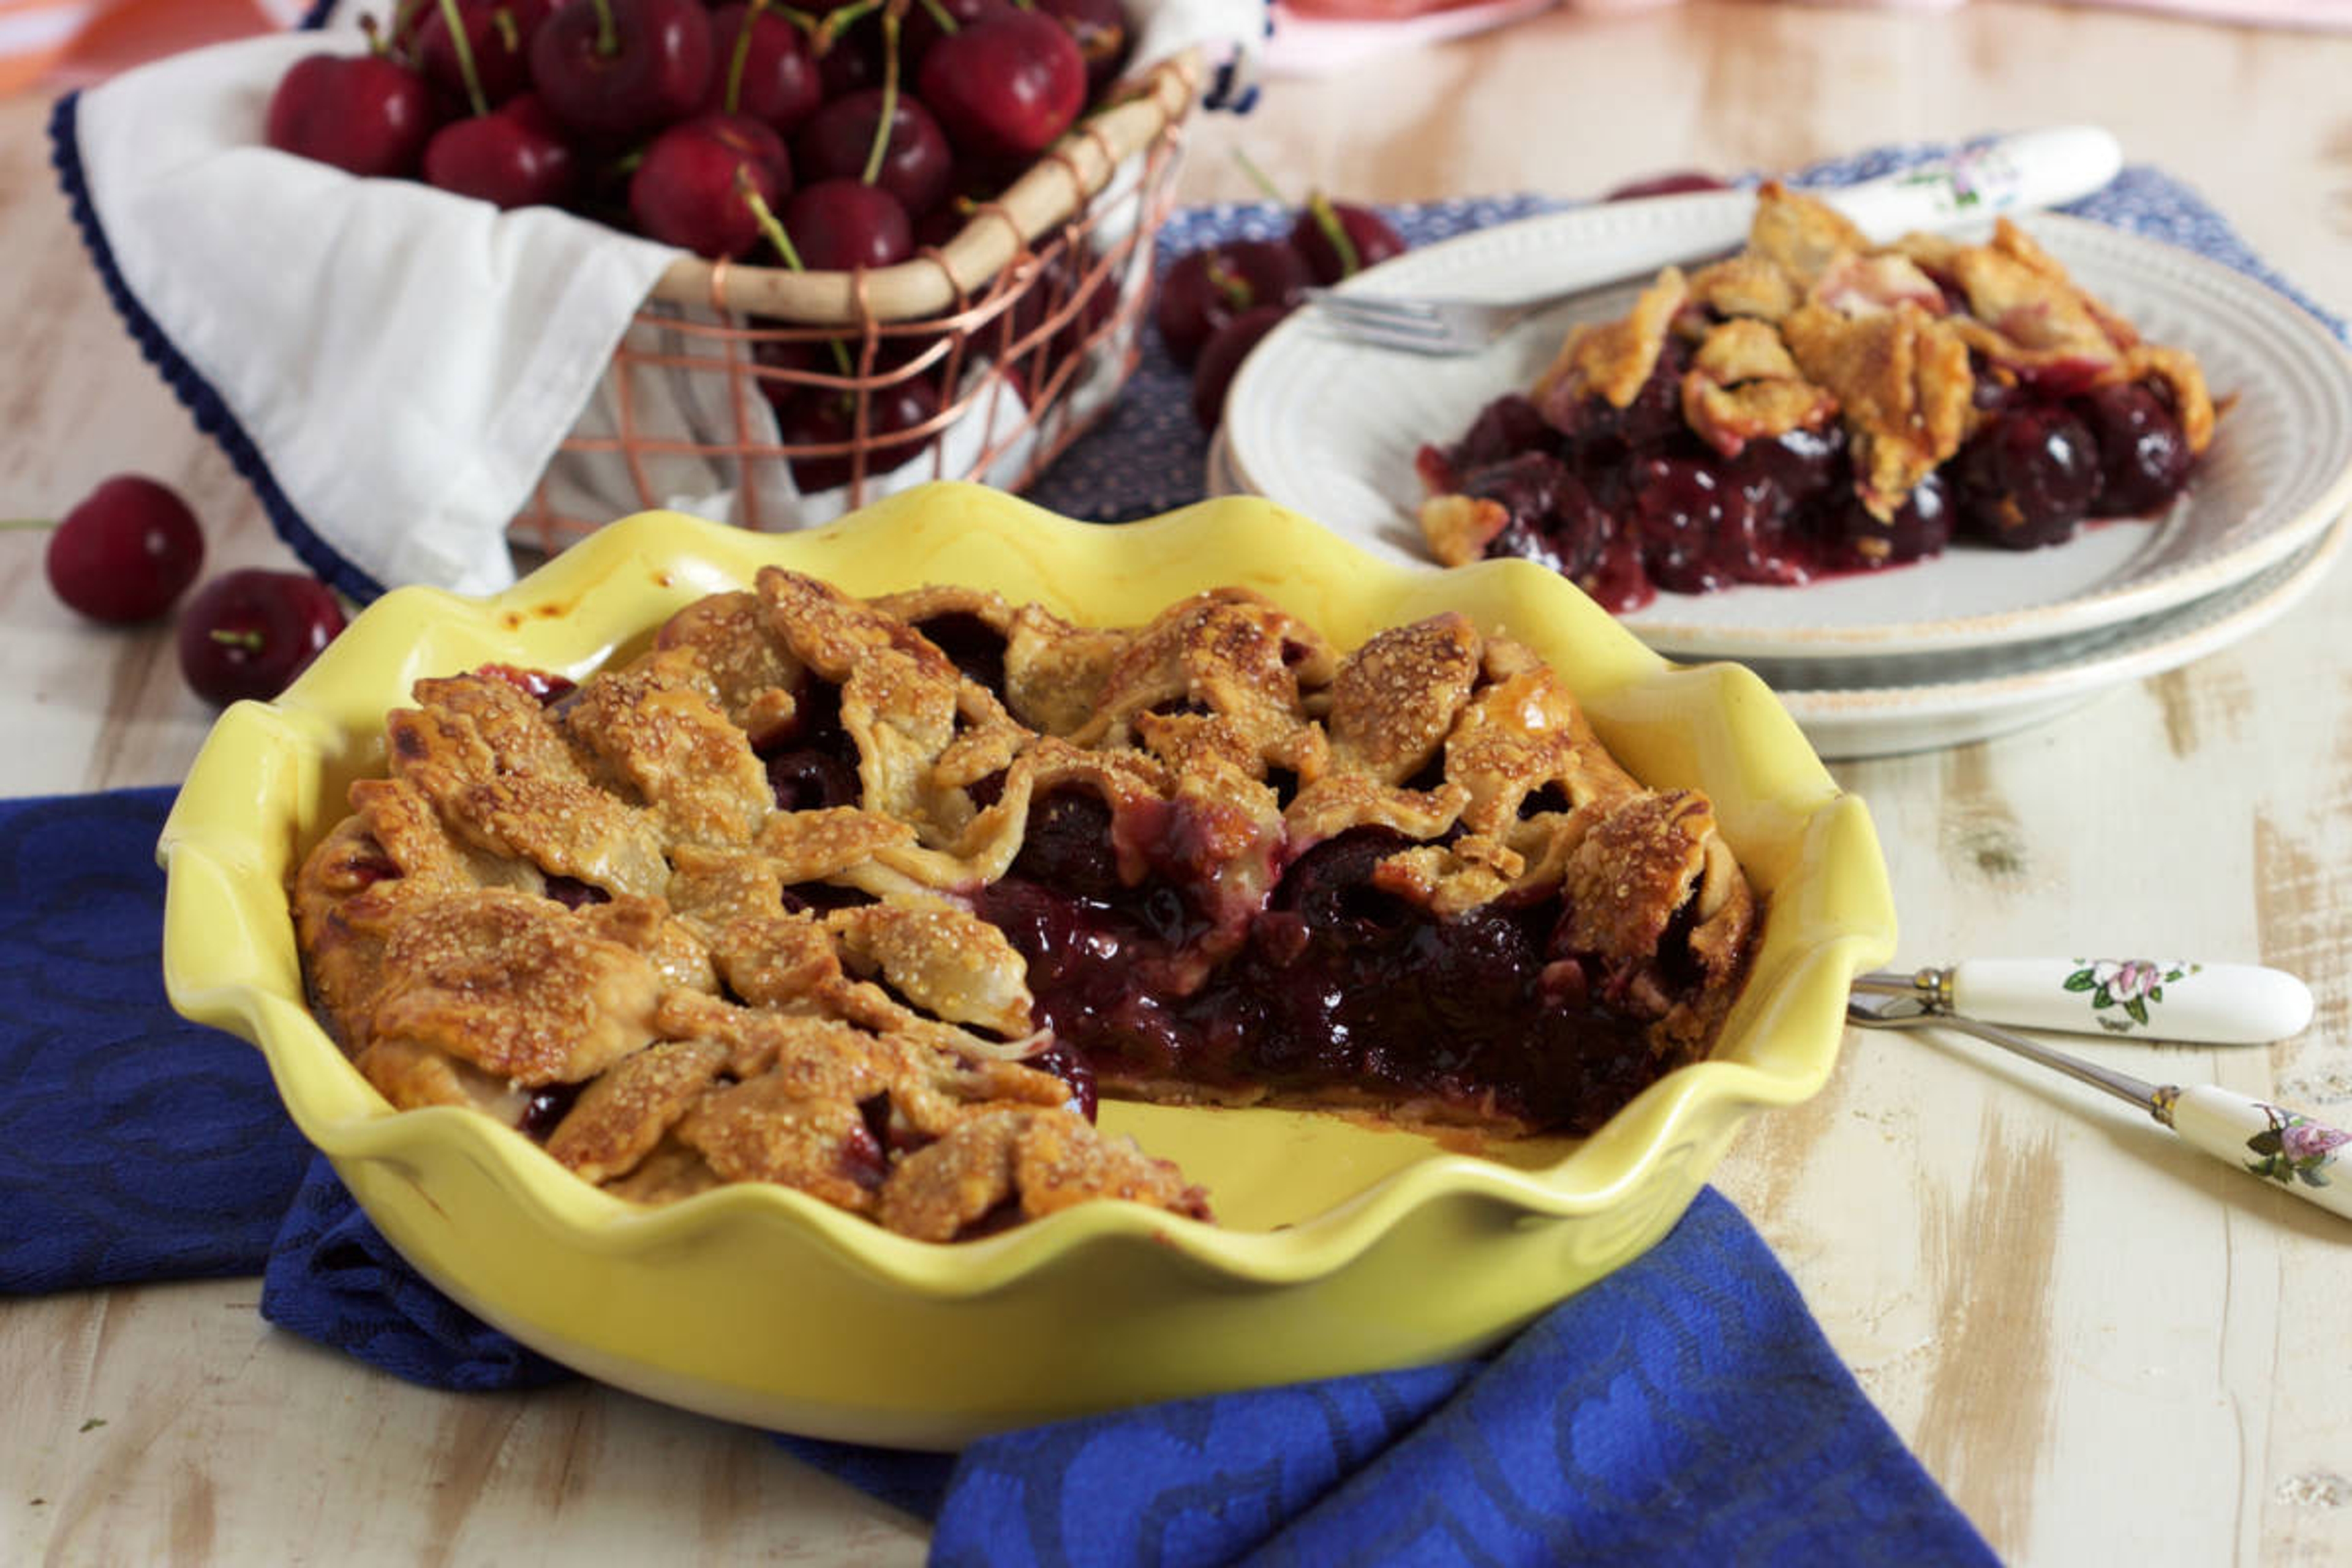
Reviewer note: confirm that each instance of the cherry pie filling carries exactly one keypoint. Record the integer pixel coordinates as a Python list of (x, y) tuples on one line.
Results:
[(1408, 883), (1667, 483)]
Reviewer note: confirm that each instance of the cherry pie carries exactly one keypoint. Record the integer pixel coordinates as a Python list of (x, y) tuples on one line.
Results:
[(868, 897), (1816, 405)]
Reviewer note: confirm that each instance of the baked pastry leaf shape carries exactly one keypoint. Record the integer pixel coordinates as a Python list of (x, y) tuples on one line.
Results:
[(1816, 403), (869, 899)]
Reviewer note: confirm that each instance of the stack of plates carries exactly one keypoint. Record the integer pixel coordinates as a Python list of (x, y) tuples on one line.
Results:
[(1969, 644)]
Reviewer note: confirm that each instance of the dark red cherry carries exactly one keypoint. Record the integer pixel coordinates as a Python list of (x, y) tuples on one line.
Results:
[(1370, 239), (515, 156), (1921, 526), (1006, 86), (923, 30), (1099, 28), (363, 113), (1677, 183), (498, 35), (838, 141), (247, 634), (764, 67), (1213, 375), (1207, 288), (2144, 455), (837, 225), (614, 69), (1066, 846), (129, 549), (820, 416), (688, 190), (2028, 478)]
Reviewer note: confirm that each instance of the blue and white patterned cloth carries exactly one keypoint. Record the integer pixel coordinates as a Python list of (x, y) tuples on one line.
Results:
[(1684, 1409)]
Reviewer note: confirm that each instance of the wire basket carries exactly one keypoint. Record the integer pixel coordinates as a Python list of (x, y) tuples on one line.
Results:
[(982, 358)]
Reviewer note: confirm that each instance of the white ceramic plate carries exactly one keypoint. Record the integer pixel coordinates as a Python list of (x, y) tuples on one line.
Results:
[(1330, 427), (1877, 722)]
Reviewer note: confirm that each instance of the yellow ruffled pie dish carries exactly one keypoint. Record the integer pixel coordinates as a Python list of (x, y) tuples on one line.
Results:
[(1338, 1249)]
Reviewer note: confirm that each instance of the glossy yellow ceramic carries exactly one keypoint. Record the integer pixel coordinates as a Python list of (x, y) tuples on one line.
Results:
[(1342, 1248)]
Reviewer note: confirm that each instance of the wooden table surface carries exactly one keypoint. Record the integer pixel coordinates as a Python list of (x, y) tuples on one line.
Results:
[(2106, 1348)]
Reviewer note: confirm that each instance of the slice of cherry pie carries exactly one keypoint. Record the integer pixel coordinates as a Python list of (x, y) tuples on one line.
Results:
[(1817, 405), (867, 898)]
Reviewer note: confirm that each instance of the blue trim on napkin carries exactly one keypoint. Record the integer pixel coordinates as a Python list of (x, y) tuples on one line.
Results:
[(213, 415)]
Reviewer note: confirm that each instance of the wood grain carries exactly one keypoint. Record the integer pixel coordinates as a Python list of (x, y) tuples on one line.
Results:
[(2107, 1347)]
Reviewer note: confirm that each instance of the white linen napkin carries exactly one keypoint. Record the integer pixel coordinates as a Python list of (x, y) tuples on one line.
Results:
[(405, 362)]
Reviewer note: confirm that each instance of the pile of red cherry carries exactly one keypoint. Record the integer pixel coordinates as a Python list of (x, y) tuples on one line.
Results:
[(1217, 303), (132, 547), (855, 129)]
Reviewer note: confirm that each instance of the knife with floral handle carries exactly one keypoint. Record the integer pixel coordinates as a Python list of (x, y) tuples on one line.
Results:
[(2263, 1139), (2163, 999)]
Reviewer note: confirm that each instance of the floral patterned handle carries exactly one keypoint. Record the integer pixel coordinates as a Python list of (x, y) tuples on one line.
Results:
[(2165, 999), (2033, 169), (2268, 1141)]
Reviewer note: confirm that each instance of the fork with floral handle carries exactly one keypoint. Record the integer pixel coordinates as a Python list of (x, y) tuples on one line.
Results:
[(2261, 1138)]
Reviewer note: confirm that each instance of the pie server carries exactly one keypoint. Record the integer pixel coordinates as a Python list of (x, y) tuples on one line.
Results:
[(2234, 1004)]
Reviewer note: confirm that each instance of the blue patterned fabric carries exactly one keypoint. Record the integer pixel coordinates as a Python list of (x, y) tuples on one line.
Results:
[(1686, 1408)]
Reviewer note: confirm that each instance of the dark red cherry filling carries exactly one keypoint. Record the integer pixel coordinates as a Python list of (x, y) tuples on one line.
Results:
[(1628, 501), (813, 762), (1338, 985)]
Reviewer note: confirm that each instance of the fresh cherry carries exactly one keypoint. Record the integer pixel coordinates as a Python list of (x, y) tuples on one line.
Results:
[(822, 417), (765, 68), (1222, 357), (1099, 28), (690, 188), (838, 142), (1007, 86), (838, 226), (247, 634), (1679, 182), (497, 34), (614, 69), (1207, 288), (923, 23), (366, 114), (515, 156), (125, 552), (1325, 224)]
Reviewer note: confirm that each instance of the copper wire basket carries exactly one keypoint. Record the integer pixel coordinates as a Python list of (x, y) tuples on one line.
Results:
[(1023, 326)]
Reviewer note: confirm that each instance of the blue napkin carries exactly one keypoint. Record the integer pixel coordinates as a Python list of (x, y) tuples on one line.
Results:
[(1686, 1407)]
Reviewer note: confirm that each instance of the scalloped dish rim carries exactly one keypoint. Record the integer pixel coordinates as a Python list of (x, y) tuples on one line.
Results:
[(228, 942)]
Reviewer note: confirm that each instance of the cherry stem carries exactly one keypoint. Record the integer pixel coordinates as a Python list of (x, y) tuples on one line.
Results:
[(252, 642), (465, 48), (947, 24), (1326, 219), (1261, 179), (378, 45), (1231, 284), (27, 525), (805, 21), (840, 20), (736, 62), (882, 127), (765, 216), (510, 33), (608, 38)]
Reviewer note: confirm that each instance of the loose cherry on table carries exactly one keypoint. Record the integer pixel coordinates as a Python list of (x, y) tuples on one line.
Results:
[(766, 67), (1675, 182), (689, 189), (125, 552), (1339, 240), (515, 156), (614, 69), (1006, 86), (1222, 356), (367, 114), (248, 633), (1207, 288)]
